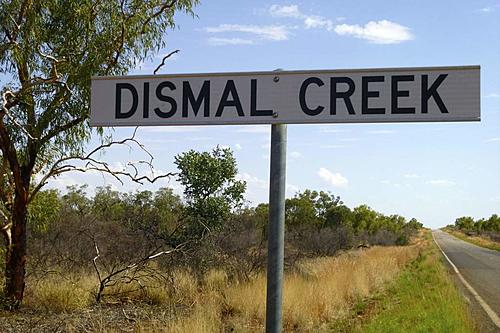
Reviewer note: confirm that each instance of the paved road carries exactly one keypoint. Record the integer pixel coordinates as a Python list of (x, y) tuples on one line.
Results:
[(479, 266)]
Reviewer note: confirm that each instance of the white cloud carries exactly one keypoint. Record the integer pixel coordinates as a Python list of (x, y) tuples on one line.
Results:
[(310, 21), (379, 32), (440, 182), (318, 22), (411, 175), (237, 146), (334, 179), (285, 11), (264, 32), (215, 41), (486, 9), (296, 154), (385, 181), (492, 139)]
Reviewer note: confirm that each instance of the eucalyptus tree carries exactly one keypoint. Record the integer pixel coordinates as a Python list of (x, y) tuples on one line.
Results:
[(49, 49)]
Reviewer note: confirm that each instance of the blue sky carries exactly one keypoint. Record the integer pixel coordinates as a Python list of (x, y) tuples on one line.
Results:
[(432, 171)]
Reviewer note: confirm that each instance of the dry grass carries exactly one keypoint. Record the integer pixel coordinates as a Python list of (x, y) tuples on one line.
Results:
[(321, 290), (316, 293), (61, 294)]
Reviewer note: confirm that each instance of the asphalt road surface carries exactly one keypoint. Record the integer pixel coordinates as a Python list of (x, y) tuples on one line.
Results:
[(479, 266)]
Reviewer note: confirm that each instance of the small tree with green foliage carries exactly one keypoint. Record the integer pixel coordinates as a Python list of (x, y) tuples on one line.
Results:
[(210, 189), (465, 223), (309, 207)]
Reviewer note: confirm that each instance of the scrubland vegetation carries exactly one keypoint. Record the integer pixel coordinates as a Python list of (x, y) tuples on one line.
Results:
[(318, 292), (381, 288), (482, 232), (197, 263), (155, 261), (126, 228)]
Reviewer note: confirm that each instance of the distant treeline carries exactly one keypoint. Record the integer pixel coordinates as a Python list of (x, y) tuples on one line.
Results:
[(467, 223), (163, 212), (314, 219)]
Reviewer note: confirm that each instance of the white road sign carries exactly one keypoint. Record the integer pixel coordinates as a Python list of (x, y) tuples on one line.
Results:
[(289, 97)]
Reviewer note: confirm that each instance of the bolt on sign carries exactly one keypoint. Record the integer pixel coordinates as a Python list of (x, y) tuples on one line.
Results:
[(289, 97)]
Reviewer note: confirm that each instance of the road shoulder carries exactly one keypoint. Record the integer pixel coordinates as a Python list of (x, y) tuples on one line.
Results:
[(482, 320), (423, 299)]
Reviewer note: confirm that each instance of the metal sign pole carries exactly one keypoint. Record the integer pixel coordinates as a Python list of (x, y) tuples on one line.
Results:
[(276, 229)]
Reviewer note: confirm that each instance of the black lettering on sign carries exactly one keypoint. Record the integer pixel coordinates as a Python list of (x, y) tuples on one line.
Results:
[(253, 101), (302, 96), (345, 95), (234, 102), (145, 102), (118, 100), (427, 93), (164, 98), (188, 98), (365, 94), (395, 93)]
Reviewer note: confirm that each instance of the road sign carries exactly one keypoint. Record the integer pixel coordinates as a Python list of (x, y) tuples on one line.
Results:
[(291, 97), (287, 97)]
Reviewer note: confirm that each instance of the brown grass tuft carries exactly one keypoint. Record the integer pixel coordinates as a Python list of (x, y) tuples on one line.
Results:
[(59, 294)]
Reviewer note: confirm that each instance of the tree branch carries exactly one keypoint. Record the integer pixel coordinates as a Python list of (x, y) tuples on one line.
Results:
[(93, 164), (58, 129), (108, 280), (163, 7), (163, 60)]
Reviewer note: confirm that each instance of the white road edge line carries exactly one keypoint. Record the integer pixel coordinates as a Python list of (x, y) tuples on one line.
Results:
[(493, 316)]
